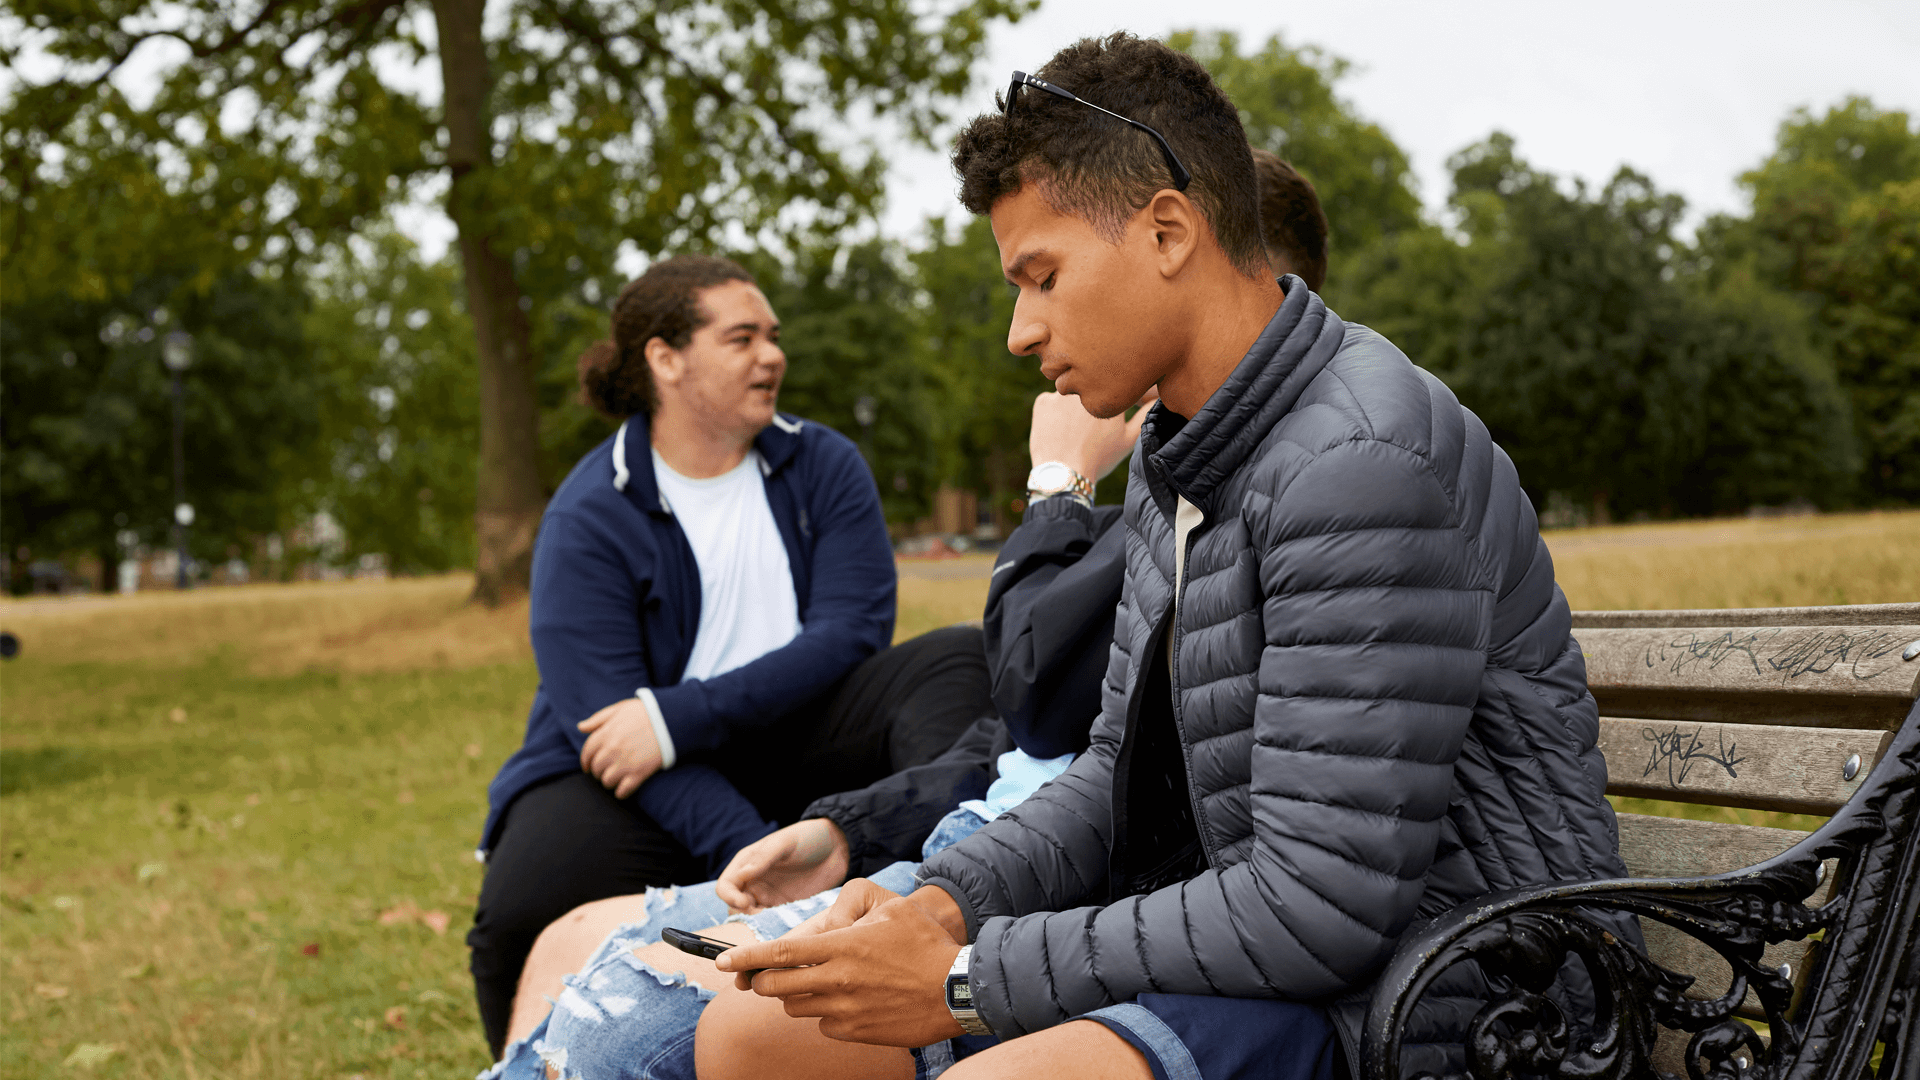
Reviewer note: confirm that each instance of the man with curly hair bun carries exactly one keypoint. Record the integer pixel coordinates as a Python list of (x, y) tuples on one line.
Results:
[(1343, 695)]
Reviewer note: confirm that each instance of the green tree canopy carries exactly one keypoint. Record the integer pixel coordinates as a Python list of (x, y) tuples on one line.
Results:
[(1563, 318), (560, 129), (87, 414), (1288, 105), (393, 356), (984, 393), (1836, 222)]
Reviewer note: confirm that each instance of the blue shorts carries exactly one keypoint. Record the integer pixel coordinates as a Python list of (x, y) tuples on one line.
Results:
[(1194, 1037)]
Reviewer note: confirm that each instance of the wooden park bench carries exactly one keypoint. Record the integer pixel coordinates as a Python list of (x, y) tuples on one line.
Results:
[(1770, 953)]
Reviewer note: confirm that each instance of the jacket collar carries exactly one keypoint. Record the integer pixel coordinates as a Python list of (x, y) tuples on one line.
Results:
[(1198, 457), (632, 457)]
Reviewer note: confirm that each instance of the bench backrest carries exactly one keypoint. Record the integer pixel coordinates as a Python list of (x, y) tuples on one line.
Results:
[(1777, 709)]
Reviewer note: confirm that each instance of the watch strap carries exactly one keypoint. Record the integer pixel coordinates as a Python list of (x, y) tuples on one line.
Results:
[(1076, 484)]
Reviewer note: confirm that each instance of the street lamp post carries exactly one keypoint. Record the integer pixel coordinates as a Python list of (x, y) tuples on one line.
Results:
[(865, 412), (177, 353)]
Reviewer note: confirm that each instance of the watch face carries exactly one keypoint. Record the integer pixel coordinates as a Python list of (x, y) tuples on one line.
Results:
[(959, 992), (1051, 476)]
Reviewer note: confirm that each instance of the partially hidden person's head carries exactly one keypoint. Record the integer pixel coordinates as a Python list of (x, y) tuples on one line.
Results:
[(1115, 264), (693, 334), (1291, 221)]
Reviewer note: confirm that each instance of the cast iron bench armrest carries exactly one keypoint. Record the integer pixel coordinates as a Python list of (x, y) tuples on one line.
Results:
[(1862, 986)]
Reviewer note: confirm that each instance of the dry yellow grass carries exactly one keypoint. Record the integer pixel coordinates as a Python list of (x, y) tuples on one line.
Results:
[(940, 593), (426, 623), (1871, 558), (353, 627), (364, 627)]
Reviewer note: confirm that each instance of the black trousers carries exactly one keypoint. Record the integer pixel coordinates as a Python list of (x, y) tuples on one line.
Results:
[(568, 841)]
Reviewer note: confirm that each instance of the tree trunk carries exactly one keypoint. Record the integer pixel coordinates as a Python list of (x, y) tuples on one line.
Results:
[(107, 550), (510, 497)]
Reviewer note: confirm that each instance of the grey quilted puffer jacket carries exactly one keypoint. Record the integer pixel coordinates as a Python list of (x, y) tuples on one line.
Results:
[(1381, 706)]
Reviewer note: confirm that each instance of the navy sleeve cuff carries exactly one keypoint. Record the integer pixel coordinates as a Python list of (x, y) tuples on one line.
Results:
[(1058, 508), (683, 708), (960, 898)]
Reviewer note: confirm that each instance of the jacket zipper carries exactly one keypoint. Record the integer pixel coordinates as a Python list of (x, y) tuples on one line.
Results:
[(1187, 519)]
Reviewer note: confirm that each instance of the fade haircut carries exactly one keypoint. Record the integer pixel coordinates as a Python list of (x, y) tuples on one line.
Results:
[(1291, 220), (1089, 165)]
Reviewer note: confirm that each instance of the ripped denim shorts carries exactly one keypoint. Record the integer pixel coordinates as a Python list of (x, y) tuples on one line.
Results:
[(620, 1018)]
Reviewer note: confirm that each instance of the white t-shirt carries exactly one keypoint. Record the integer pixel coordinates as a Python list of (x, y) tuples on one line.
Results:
[(747, 606)]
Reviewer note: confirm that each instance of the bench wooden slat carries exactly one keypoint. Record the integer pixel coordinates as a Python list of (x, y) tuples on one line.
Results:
[(1802, 676), (1658, 847), (1809, 710), (1838, 615), (1846, 661), (1758, 766), (1662, 847)]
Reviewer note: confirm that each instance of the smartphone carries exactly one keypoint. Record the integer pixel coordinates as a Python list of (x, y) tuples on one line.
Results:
[(688, 942)]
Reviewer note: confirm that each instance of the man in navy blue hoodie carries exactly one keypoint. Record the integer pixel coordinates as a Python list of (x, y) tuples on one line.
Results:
[(712, 589)]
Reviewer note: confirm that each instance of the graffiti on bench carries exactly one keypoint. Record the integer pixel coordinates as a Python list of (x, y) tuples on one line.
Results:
[(1677, 751), (1790, 652)]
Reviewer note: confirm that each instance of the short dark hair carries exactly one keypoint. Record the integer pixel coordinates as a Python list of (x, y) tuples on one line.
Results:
[(1291, 221), (664, 303), (1094, 167)]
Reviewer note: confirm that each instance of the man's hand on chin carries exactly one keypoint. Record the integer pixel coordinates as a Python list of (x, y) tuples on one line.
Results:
[(878, 977)]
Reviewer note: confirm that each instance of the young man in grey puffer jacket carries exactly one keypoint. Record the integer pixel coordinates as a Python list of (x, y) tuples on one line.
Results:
[(1343, 696)]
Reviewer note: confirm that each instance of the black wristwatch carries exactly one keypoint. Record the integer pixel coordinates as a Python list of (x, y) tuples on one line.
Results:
[(960, 995)]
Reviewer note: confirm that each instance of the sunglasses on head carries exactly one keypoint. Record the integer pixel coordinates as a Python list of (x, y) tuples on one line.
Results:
[(1181, 177)]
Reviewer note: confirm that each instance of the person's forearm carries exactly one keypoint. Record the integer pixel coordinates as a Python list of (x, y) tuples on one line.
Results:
[(702, 809), (1049, 623), (702, 714), (888, 821)]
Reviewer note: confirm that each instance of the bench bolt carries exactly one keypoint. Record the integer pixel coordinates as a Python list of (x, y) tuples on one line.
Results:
[(1786, 971), (1851, 769), (1912, 650), (1820, 875)]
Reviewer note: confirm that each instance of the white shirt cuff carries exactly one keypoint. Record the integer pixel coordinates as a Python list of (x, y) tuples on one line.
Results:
[(660, 733)]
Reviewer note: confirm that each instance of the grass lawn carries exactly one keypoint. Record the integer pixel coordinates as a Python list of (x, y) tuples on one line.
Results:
[(236, 825)]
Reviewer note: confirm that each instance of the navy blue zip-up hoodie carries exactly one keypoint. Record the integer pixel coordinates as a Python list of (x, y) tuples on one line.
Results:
[(616, 604)]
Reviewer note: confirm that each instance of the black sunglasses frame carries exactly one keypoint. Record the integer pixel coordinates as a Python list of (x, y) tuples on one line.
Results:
[(1181, 177)]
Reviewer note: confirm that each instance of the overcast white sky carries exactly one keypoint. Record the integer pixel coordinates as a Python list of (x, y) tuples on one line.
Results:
[(1687, 91)]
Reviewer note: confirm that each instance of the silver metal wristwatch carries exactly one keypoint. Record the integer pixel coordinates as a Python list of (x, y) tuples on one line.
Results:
[(960, 995), (1050, 478)]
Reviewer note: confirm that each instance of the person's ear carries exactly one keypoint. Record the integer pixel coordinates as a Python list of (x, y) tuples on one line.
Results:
[(1177, 229), (1281, 264), (666, 362)]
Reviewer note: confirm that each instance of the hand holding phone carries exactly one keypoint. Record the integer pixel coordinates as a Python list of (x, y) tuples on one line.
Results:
[(689, 942)]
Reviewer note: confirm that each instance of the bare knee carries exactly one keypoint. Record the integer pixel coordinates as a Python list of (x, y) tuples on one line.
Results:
[(562, 949), (569, 941)]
